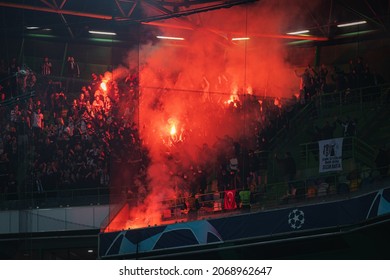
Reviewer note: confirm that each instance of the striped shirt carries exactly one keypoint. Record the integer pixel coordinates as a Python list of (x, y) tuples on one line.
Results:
[(46, 68)]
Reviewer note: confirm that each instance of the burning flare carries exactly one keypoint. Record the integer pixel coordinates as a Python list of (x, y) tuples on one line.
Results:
[(103, 86), (173, 130)]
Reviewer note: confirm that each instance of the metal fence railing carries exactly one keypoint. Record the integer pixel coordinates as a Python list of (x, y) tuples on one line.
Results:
[(362, 98), (324, 187), (353, 148)]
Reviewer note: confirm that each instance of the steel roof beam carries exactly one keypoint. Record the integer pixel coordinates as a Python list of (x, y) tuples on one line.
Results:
[(63, 19), (56, 11)]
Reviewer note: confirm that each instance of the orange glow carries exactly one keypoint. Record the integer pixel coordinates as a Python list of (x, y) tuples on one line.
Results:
[(174, 135), (137, 223), (173, 130), (103, 86), (172, 126), (233, 100), (277, 103), (249, 90), (191, 103)]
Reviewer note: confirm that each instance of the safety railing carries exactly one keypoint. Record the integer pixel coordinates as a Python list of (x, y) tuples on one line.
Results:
[(308, 111), (324, 187), (353, 148), (339, 103), (350, 99)]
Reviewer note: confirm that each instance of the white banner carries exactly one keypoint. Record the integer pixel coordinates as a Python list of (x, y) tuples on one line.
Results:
[(331, 152)]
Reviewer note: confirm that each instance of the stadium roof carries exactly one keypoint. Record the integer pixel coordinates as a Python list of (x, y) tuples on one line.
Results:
[(72, 19)]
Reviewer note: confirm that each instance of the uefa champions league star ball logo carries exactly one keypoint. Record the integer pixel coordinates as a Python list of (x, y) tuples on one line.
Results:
[(296, 219)]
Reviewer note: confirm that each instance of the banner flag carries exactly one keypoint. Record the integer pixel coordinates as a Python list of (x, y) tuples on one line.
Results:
[(230, 200), (331, 154)]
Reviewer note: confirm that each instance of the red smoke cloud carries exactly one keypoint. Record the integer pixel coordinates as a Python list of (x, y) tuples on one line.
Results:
[(188, 86)]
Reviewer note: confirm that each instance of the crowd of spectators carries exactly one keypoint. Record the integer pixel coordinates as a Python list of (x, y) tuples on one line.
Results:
[(53, 138), (68, 137), (357, 74), (57, 136)]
